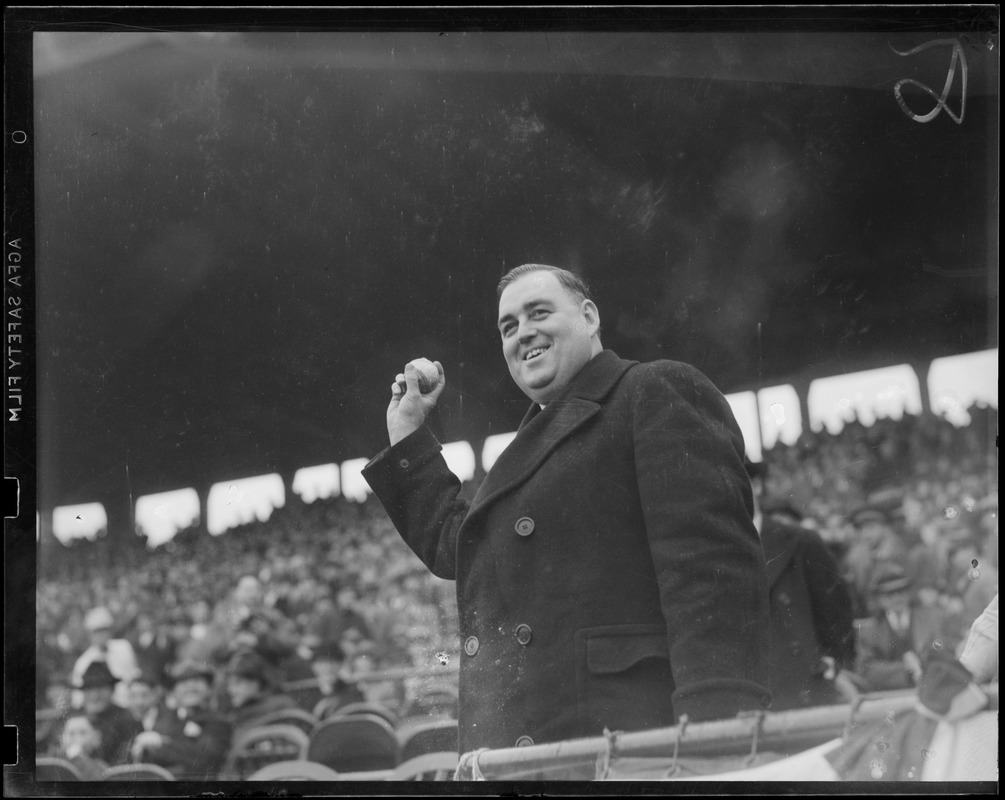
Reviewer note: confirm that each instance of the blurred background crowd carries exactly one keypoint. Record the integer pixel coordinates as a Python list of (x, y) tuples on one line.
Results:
[(324, 601)]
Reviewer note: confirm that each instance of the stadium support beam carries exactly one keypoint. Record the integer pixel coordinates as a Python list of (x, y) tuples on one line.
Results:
[(921, 370)]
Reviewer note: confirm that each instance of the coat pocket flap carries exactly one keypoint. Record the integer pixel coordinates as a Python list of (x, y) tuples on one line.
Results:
[(606, 655)]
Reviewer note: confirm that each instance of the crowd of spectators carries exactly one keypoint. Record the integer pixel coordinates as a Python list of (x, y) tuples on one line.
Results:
[(326, 594)]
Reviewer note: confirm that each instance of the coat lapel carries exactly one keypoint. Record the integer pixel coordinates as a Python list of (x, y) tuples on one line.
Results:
[(542, 430)]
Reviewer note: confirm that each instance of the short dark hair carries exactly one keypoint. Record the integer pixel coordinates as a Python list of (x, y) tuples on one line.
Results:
[(570, 281)]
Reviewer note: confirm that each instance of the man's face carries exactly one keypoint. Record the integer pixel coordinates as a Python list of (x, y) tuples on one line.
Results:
[(191, 692), (548, 335), (79, 736), (248, 591), (97, 699), (242, 689), (142, 697)]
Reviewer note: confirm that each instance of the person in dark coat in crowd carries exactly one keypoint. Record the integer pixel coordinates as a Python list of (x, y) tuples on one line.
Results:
[(896, 640), (331, 679), (114, 724), (812, 627), (251, 691), (334, 621), (146, 696), (154, 646), (190, 740), (608, 572)]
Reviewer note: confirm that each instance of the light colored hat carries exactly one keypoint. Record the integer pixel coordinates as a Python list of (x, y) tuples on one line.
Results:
[(98, 618)]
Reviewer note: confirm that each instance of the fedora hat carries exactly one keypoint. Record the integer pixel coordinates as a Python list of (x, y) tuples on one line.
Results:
[(97, 674), (186, 670)]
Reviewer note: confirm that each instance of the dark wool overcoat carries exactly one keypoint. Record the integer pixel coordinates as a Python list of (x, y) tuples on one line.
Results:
[(608, 570), (811, 616), (195, 744)]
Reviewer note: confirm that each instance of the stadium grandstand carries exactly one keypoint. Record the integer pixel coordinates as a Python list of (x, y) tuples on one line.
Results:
[(319, 542)]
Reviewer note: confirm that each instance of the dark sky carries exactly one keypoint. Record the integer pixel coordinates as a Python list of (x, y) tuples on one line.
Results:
[(240, 244)]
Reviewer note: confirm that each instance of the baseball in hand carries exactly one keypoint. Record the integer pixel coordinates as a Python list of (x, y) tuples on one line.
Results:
[(429, 376)]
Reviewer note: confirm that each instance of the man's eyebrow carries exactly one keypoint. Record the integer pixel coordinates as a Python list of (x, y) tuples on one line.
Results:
[(526, 307)]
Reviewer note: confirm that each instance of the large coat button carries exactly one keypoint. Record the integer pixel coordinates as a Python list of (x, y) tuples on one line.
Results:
[(524, 526), (523, 634), (471, 645), (524, 741)]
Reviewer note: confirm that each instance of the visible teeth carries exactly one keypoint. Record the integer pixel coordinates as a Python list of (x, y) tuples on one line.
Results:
[(533, 353)]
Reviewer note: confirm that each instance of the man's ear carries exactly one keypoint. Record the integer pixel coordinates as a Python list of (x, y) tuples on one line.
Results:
[(592, 316)]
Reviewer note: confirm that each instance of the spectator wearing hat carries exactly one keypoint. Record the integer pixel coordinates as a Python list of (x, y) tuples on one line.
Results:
[(893, 643), (251, 691), (115, 725), (339, 619), (189, 740), (812, 633), (118, 654), (331, 674), (875, 543)]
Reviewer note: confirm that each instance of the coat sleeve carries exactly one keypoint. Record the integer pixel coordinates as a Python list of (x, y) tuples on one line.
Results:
[(421, 496), (697, 505)]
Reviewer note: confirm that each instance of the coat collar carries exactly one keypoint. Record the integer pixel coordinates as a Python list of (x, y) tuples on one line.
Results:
[(542, 430)]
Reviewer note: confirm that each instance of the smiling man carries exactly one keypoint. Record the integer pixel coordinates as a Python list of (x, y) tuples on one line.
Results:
[(608, 570)]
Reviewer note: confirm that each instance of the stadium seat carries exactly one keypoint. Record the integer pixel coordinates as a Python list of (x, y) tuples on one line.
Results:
[(264, 745), (428, 737), (354, 743), (55, 769), (427, 767), (294, 770), (138, 772), (304, 720), (363, 707)]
